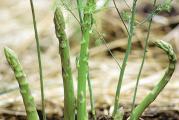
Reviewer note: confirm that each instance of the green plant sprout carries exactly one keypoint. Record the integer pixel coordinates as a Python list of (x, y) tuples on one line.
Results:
[(64, 50), (90, 92), (143, 60), (91, 98), (167, 48), (82, 65), (28, 99), (77, 60), (130, 35), (77, 109), (39, 61)]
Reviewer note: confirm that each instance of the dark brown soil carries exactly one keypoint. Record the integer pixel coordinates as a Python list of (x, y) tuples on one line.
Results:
[(162, 115)]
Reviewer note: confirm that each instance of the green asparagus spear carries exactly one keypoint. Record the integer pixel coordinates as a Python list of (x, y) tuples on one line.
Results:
[(23, 84), (64, 49), (137, 112), (83, 60)]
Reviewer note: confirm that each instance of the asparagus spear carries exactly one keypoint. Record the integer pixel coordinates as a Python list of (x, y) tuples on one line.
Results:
[(83, 59), (167, 48), (124, 64), (23, 84), (64, 50)]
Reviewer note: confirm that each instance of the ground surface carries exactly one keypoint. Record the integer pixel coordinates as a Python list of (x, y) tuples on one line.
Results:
[(17, 33), (157, 115)]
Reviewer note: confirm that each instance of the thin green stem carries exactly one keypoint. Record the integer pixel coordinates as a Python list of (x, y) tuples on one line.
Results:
[(131, 30), (114, 2), (167, 48), (39, 60), (109, 50), (67, 7), (80, 10), (143, 61), (28, 99), (82, 65), (91, 98), (64, 50)]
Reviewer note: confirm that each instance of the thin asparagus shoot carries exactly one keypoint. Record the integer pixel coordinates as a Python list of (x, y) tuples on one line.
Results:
[(143, 61), (167, 48), (64, 50), (39, 61), (28, 99), (130, 36), (91, 98)]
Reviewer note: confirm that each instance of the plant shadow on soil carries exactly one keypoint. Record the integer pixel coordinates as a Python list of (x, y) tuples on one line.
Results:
[(161, 115)]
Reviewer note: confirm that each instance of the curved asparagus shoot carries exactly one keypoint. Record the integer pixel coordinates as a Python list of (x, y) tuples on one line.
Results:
[(143, 60), (23, 84), (64, 50), (83, 60), (137, 112)]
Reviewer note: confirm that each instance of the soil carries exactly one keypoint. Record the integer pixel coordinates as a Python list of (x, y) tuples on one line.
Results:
[(161, 115)]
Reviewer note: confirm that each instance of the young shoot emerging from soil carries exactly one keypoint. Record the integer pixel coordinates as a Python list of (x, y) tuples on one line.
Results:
[(23, 84)]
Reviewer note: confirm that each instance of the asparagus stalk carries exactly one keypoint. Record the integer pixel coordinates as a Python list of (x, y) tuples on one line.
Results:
[(131, 31), (143, 60), (167, 48), (64, 50), (39, 61), (91, 98), (90, 92), (23, 84), (83, 60)]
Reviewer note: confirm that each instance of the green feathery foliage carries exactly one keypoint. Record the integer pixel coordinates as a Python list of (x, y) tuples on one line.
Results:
[(165, 6), (23, 84), (64, 50), (167, 48)]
